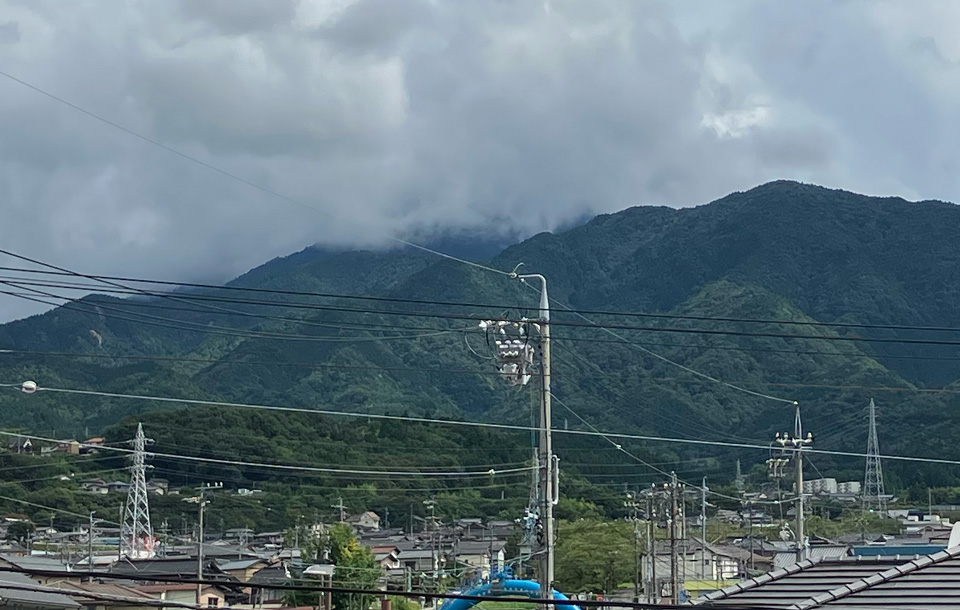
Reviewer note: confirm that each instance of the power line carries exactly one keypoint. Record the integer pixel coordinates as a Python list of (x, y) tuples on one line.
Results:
[(587, 323), (467, 423), (189, 359), (197, 327), (319, 469), (570, 310)]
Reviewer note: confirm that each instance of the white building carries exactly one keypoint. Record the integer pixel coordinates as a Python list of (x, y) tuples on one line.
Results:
[(849, 487), (820, 486)]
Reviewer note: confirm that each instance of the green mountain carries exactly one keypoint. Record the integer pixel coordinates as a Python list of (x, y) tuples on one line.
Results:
[(782, 252)]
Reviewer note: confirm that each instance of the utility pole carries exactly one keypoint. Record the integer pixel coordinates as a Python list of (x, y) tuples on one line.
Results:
[(674, 590), (90, 526), (341, 509), (653, 593), (202, 502), (797, 441), (548, 491), (633, 505), (703, 530), (515, 361)]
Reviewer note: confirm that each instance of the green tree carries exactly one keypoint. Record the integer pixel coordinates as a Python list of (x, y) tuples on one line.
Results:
[(19, 531), (356, 568), (594, 555)]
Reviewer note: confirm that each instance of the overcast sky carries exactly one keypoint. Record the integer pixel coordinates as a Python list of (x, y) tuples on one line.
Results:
[(412, 117)]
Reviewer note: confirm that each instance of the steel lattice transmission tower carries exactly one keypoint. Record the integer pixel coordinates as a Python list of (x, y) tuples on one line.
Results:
[(136, 534), (874, 497)]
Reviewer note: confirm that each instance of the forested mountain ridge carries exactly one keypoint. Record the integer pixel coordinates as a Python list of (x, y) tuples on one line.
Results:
[(782, 251)]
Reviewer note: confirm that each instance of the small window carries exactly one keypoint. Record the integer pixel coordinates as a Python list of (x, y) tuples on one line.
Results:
[(213, 602)]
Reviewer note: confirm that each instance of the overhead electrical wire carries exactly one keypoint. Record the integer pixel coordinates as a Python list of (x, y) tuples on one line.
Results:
[(316, 469), (571, 310), (586, 323), (223, 330), (466, 423)]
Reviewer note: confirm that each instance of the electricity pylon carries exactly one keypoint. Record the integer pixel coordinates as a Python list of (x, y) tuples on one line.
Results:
[(136, 534), (873, 495)]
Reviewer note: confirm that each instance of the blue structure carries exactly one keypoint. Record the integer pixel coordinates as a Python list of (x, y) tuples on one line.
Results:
[(906, 550), (505, 588)]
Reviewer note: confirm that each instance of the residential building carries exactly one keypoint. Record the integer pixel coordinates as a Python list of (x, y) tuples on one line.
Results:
[(20, 444), (820, 486), (185, 593), (71, 446), (483, 556), (367, 520), (18, 598), (386, 556), (243, 569), (849, 487), (96, 486), (271, 575), (98, 595), (419, 560), (34, 566)]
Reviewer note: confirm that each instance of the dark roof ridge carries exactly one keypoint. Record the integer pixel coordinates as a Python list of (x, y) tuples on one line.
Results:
[(866, 582), (760, 580)]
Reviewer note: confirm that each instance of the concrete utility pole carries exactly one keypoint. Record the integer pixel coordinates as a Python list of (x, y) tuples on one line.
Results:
[(548, 480), (797, 441), (653, 592), (703, 530), (515, 358), (202, 502), (341, 509), (674, 589), (632, 504), (90, 525)]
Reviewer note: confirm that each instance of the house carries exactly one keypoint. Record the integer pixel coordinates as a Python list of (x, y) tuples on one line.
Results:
[(118, 487), (386, 556), (171, 568), (905, 583), (419, 560), (20, 444), (91, 445), (483, 556), (271, 575), (70, 446), (95, 486), (211, 596), (17, 596), (158, 486), (99, 595), (243, 569), (34, 566), (367, 520), (707, 567)]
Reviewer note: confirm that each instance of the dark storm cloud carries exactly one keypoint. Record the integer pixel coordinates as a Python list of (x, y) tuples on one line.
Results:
[(420, 116)]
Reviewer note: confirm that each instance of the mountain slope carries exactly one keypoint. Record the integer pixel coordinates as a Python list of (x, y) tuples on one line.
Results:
[(783, 251)]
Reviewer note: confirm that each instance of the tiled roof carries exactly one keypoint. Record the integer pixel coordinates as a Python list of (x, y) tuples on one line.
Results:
[(19, 597), (930, 581), (34, 563)]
